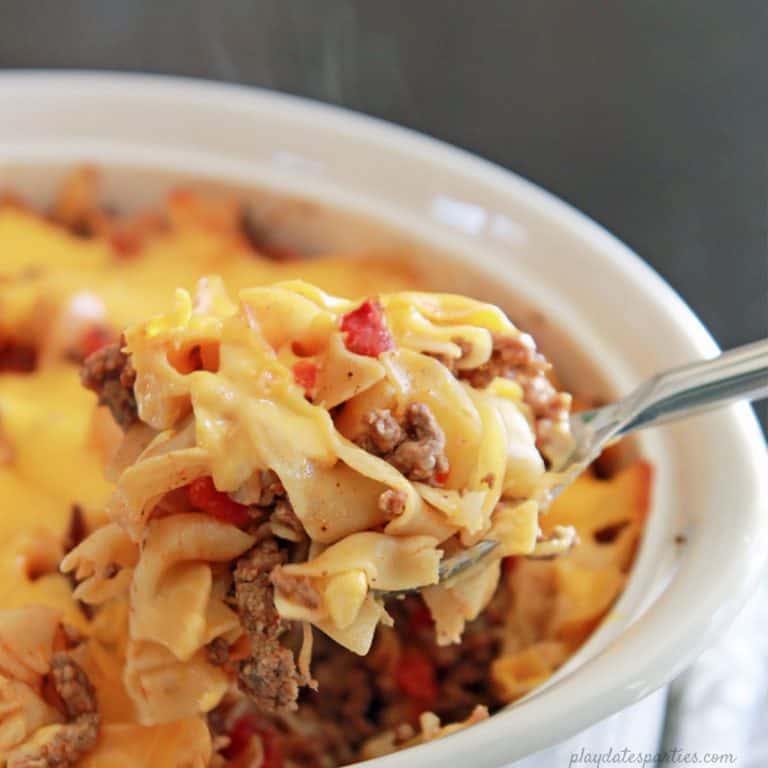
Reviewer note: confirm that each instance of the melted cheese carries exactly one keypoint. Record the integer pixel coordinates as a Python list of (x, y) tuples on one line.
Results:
[(251, 415), (54, 448)]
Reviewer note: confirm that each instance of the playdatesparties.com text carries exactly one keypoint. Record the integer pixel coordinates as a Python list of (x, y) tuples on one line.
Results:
[(626, 756)]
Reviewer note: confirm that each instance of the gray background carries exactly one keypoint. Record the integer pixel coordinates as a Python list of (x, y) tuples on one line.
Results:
[(650, 116)]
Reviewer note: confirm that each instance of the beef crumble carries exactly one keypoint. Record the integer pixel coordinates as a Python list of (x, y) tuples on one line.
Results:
[(415, 446), (73, 686), (284, 521), (17, 356), (217, 652), (516, 358), (109, 373), (271, 490), (392, 503), (360, 696), (512, 357), (383, 433), (268, 675), (69, 743)]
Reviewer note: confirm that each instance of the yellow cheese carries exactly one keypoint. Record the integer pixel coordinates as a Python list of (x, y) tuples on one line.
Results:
[(46, 418)]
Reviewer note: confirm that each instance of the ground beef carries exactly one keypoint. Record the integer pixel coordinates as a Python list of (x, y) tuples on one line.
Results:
[(346, 691), (17, 357), (392, 503), (79, 734), (299, 589), (516, 358), (283, 517), (66, 747), (217, 652), (415, 446), (462, 671), (253, 591), (272, 489), (383, 433), (359, 697), (269, 674), (511, 357), (270, 678), (464, 680), (73, 686), (421, 456), (110, 374)]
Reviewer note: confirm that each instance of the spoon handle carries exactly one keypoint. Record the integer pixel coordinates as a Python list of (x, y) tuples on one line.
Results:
[(738, 374)]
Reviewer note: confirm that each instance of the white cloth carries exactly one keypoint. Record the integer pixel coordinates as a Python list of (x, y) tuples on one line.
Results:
[(637, 729), (720, 704)]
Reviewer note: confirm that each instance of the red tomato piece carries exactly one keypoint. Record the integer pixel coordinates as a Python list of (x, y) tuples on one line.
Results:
[(366, 329), (509, 563), (125, 244), (279, 253), (203, 495), (441, 477), (305, 374), (420, 618), (415, 675), (247, 726)]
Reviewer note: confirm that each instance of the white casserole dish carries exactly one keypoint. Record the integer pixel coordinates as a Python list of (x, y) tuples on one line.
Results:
[(387, 186)]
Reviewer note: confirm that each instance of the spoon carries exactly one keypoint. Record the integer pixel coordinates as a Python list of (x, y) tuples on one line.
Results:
[(738, 374)]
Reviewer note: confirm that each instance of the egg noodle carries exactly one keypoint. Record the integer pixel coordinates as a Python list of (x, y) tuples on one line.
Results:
[(267, 460)]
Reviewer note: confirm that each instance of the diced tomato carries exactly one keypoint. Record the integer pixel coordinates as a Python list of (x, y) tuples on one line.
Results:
[(305, 374), (420, 618), (366, 329), (273, 753), (415, 675), (94, 338), (125, 244), (203, 495), (509, 563), (244, 729), (279, 253), (441, 477)]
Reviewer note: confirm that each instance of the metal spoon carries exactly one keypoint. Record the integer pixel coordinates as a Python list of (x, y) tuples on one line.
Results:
[(739, 374)]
